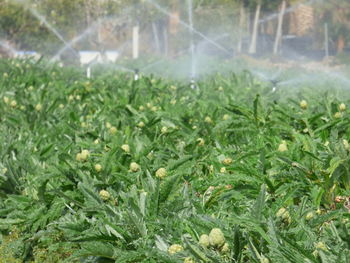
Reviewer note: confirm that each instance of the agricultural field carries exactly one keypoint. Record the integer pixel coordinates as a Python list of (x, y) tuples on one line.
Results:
[(109, 169)]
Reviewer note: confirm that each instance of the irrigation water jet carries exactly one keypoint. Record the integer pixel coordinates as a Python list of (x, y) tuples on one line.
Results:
[(187, 26), (151, 65), (73, 41), (274, 80), (43, 20), (287, 11), (202, 44), (122, 68), (190, 18), (159, 61), (86, 32)]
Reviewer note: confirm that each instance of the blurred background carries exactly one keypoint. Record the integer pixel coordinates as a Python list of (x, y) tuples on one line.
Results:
[(149, 31)]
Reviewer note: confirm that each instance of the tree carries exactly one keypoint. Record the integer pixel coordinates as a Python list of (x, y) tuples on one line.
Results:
[(242, 21), (253, 43), (337, 15), (279, 27), (258, 5)]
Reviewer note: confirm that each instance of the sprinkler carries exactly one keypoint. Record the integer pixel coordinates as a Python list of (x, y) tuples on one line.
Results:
[(136, 74), (193, 84), (274, 83)]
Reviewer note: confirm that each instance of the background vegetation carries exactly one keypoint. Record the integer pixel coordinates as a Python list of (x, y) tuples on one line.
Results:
[(235, 18)]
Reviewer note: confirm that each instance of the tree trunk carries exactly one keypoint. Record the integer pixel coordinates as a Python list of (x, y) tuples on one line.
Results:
[(93, 10), (135, 42), (166, 41), (156, 37), (241, 27), (279, 28), (252, 48), (88, 19), (174, 22)]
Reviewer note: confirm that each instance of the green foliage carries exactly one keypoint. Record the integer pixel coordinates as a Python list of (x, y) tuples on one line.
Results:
[(270, 204)]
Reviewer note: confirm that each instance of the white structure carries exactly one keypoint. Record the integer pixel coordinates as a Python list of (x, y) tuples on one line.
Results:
[(135, 42), (88, 57), (112, 56), (27, 54)]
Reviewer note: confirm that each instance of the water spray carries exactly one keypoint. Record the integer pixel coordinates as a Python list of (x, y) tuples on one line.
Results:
[(49, 26), (187, 26), (287, 11), (190, 18)]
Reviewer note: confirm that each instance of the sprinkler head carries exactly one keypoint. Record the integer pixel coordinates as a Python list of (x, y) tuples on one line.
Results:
[(274, 83), (136, 74), (193, 84)]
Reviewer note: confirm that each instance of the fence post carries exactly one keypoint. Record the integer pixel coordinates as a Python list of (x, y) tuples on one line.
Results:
[(326, 41), (135, 42)]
